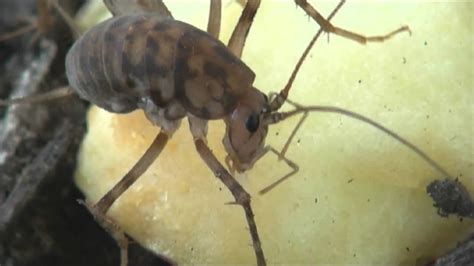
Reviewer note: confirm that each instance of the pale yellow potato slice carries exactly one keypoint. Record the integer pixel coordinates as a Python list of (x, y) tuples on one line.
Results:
[(359, 196)]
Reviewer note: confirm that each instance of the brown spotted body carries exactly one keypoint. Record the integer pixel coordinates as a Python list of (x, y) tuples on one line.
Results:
[(166, 67)]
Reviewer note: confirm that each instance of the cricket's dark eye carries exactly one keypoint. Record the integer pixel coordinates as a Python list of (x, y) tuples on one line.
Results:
[(252, 122)]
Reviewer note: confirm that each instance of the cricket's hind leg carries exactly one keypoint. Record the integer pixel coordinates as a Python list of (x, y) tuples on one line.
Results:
[(329, 28)]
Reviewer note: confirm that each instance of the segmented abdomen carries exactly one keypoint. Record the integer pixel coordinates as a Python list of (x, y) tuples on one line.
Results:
[(117, 64), (166, 67)]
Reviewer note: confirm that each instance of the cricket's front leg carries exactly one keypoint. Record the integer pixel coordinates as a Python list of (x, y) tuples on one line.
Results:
[(199, 131), (241, 196)]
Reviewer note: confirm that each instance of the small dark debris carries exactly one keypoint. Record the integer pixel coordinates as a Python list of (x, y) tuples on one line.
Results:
[(451, 197), (360, 81), (315, 200), (350, 180), (277, 133), (427, 116), (426, 43), (408, 249), (404, 60), (354, 255), (368, 200), (298, 141)]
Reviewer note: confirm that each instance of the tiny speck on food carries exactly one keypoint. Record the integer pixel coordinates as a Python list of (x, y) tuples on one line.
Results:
[(278, 133), (315, 200), (408, 249), (404, 60), (360, 81), (426, 43), (350, 180), (354, 255), (368, 200)]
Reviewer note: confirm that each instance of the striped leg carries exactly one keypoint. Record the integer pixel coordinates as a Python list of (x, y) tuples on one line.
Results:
[(199, 131), (239, 35), (241, 196)]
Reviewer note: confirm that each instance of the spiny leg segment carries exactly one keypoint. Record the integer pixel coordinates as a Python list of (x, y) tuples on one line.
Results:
[(241, 196), (239, 35), (329, 28)]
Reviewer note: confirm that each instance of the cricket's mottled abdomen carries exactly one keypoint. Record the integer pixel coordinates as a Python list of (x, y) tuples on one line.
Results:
[(166, 67)]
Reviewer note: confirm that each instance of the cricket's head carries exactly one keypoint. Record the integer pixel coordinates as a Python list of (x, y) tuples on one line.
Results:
[(245, 135)]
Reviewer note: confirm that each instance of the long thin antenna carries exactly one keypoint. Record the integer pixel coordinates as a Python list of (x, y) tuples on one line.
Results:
[(277, 117)]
